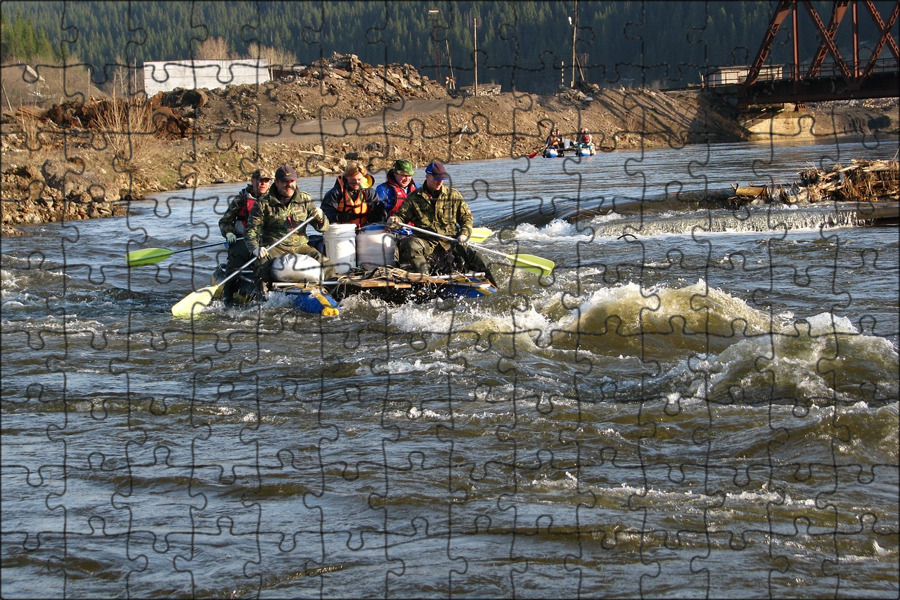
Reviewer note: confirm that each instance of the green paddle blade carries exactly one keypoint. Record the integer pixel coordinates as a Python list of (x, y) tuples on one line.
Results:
[(147, 256), (195, 302), (479, 234), (532, 264)]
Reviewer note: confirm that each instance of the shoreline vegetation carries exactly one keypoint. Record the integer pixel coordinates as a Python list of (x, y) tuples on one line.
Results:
[(80, 160)]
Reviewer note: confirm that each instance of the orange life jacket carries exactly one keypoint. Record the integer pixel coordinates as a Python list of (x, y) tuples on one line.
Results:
[(351, 210)]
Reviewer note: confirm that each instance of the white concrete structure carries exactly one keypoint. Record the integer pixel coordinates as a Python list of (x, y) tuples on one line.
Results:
[(733, 75), (167, 75)]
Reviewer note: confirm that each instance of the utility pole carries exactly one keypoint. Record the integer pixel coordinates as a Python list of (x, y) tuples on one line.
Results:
[(475, 55), (574, 24), (450, 64), (433, 15)]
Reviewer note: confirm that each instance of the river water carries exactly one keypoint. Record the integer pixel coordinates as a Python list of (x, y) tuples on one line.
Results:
[(695, 403)]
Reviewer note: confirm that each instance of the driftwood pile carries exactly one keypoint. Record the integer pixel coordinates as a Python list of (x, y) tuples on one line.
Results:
[(862, 181)]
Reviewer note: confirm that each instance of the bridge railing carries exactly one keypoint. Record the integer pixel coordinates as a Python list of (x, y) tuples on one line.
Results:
[(738, 74)]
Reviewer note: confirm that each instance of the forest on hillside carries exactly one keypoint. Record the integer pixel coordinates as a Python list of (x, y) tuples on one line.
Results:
[(522, 45)]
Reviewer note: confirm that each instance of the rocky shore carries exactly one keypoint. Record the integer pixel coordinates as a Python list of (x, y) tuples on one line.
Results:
[(88, 159)]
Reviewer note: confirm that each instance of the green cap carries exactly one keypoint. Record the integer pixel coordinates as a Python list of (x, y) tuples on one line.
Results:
[(404, 167)]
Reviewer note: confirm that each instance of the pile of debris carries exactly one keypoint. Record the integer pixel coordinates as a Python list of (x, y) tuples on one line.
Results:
[(327, 88), (862, 181), (114, 114), (390, 82)]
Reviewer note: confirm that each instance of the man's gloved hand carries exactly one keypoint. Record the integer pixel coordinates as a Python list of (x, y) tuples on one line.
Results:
[(261, 253), (463, 239), (230, 238), (394, 222), (318, 214)]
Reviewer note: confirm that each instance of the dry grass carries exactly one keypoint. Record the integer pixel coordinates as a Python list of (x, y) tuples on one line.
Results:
[(30, 127), (129, 132)]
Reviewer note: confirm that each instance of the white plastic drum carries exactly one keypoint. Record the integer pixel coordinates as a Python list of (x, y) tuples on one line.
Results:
[(375, 246), (296, 268), (340, 246)]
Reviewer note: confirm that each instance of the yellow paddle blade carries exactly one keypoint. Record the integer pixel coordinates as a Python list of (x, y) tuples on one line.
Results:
[(195, 302), (479, 234), (532, 264)]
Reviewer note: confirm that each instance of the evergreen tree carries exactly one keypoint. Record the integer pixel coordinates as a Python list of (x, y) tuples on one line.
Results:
[(524, 42), (21, 40)]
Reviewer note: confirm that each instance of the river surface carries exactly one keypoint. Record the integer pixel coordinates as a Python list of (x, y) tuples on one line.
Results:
[(695, 403)]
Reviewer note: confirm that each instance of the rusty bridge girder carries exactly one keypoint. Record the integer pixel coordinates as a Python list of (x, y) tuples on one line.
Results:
[(846, 79)]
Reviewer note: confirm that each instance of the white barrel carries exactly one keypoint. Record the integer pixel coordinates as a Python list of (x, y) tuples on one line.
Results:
[(375, 246), (296, 268), (340, 246)]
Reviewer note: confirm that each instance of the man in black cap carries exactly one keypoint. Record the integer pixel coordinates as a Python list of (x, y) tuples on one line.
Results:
[(233, 225), (441, 209), (274, 215)]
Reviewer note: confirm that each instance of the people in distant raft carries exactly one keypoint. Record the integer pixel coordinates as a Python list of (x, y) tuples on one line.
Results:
[(439, 208), (398, 186), (233, 225), (274, 215), (585, 138), (554, 140), (352, 199)]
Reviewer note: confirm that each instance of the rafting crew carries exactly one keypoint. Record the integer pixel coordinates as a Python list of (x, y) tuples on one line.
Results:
[(585, 137), (283, 208), (233, 225), (353, 199), (398, 186), (554, 140), (585, 140), (439, 208)]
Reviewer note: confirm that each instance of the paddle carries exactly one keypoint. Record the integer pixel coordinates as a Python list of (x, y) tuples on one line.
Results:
[(535, 153), (151, 256), (527, 262), (479, 234), (198, 300)]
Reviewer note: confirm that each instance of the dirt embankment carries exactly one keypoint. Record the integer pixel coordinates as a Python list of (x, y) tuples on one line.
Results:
[(87, 159)]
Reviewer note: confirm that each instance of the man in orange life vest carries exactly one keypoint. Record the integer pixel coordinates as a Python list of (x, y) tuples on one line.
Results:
[(398, 186), (233, 224), (352, 199)]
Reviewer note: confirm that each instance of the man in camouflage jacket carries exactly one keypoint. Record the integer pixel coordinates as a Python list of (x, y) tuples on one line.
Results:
[(441, 209), (274, 215), (233, 224)]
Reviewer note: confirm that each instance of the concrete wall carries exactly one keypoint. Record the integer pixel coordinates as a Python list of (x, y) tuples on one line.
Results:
[(733, 75), (165, 76)]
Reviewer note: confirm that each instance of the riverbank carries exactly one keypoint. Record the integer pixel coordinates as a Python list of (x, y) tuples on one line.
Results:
[(68, 163)]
